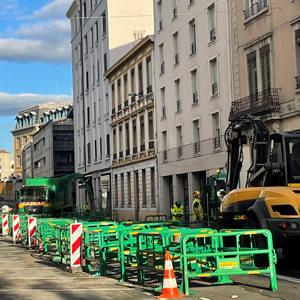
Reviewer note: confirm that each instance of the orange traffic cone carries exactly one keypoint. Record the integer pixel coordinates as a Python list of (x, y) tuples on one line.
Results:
[(170, 289), (41, 247)]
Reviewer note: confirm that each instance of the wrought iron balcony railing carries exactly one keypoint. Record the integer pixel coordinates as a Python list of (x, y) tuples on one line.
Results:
[(120, 154), (257, 104), (113, 111), (180, 151), (195, 97), (151, 145), (160, 25), (127, 152), (249, 12), (217, 142), (149, 89), (134, 150), (215, 90), (176, 59), (197, 147), (166, 155), (261, 4), (164, 112), (178, 105), (142, 147), (162, 68), (125, 103), (213, 34), (193, 48), (115, 156), (297, 82), (132, 99), (119, 107), (141, 94), (174, 12)]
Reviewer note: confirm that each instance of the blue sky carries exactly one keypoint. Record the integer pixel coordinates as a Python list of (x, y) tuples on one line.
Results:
[(35, 58)]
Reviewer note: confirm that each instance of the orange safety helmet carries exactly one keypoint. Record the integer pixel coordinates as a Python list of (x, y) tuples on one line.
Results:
[(196, 193)]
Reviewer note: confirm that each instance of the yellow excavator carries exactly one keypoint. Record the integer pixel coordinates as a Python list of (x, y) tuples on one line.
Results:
[(271, 197)]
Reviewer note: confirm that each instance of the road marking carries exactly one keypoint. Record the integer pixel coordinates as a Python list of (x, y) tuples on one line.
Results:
[(60, 290), (37, 268), (287, 278)]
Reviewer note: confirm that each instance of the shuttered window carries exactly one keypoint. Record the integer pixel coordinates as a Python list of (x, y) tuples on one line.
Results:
[(252, 73), (264, 53)]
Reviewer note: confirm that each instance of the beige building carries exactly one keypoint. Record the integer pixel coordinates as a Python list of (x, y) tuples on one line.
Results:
[(102, 32), (266, 61), (134, 169), (5, 164), (193, 92)]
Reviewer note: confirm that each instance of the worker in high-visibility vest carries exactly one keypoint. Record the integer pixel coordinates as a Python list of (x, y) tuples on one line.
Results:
[(197, 209), (177, 211), (86, 207)]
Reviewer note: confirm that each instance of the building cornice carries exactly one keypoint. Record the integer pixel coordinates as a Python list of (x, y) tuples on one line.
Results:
[(257, 39), (294, 20)]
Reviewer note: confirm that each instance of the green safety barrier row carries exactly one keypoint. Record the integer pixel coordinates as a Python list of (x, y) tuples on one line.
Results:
[(92, 216), (155, 223), (156, 218)]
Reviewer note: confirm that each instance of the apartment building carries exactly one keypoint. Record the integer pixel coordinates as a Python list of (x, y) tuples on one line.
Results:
[(193, 92), (28, 122), (101, 33), (134, 169), (5, 164), (266, 62)]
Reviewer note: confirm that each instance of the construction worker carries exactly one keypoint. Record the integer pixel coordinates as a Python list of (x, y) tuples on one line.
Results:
[(222, 195), (86, 207), (177, 211), (197, 209)]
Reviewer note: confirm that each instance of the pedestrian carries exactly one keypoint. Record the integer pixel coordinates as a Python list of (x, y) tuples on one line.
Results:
[(197, 209), (86, 207), (177, 211)]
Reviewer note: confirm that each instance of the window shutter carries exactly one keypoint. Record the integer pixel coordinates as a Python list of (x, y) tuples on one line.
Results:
[(252, 73), (265, 67)]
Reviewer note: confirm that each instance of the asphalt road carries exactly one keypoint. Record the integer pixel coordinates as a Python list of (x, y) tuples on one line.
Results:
[(28, 275)]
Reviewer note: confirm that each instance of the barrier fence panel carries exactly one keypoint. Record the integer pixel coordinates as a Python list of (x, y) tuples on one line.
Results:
[(16, 229), (32, 241), (76, 242), (4, 224)]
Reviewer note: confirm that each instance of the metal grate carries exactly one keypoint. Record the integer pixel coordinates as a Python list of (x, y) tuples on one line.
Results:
[(256, 104), (213, 34), (151, 145), (162, 68), (215, 89), (180, 151), (261, 4), (161, 25), (164, 111), (197, 147), (249, 12), (195, 97), (178, 105), (174, 12), (176, 59), (193, 48), (297, 82), (166, 155)]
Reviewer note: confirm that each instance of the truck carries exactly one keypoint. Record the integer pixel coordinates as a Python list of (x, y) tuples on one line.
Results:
[(52, 195), (271, 196)]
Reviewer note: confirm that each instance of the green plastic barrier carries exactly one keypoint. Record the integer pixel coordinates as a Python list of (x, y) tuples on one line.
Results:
[(222, 262), (156, 218), (154, 223), (62, 244)]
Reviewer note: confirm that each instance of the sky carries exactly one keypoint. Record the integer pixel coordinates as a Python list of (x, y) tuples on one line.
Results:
[(35, 58)]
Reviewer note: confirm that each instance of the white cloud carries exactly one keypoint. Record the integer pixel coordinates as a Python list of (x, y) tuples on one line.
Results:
[(40, 40), (10, 104)]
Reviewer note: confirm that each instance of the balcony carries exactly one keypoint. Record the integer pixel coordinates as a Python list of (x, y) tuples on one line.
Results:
[(214, 89), (115, 156), (176, 59), (132, 99), (297, 82), (127, 152), (160, 25), (258, 104), (166, 155), (164, 112), (193, 48), (212, 35), (113, 111), (217, 141), (180, 151), (249, 12), (175, 13), (119, 107), (149, 89), (178, 105), (120, 154), (142, 147), (261, 4), (134, 150), (125, 103), (162, 68), (195, 97), (197, 147), (151, 145)]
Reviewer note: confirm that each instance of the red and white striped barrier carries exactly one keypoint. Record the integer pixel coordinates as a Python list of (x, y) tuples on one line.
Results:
[(16, 228), (32, 232), (5, 224), (76, 242)]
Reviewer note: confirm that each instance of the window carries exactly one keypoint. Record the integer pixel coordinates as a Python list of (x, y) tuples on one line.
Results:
[(134, 137), (18, 161), (127, 141), (192, 29), (98, 71), (149, 75), (105, 62), (122, 189), (142, 133), (214, 77), (116, 190), (97, 32), (86, 47), (144, 187), (216, 131), (249, 8), (125, 90), (252, 74), (100, 150), (84, 11), (177, 94), (194, 85), (114, 144), (264, 53), (179, 141), (87, 81), (174, 8), (129, 188), (106, 106), (119, 95), (18, 143), (196, 136), (88, 117), (113, 103), (91, 5), (103, 24), (94, 121), (132, 85), (176, 48), (24, 139), (212, 23), (79, 156), (92, 38), (107, 146), (140, 79), (160, 16), (163, 102), (120, 142), (151, 130), (165, 145), (162, 58), (89, 152), (297, 50), (95, 151), (93, 83)]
